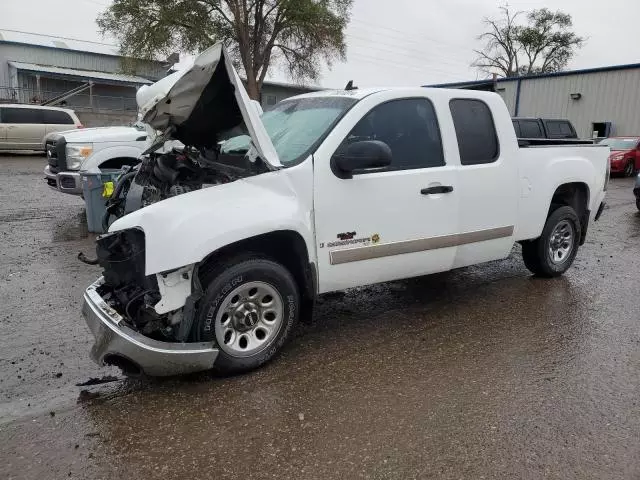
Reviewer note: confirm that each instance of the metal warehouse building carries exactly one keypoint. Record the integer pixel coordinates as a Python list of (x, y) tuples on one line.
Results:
[(37, 68), (88, 76), (604, 100), (273, 92)]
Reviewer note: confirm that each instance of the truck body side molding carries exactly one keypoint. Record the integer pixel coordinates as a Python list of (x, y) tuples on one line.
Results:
[(368, 252)]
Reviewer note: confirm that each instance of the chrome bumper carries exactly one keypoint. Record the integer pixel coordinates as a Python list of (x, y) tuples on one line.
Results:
[(65, 182), (114, 342), (51, 178)]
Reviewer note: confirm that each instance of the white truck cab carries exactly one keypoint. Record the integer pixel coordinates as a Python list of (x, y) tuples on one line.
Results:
[(72, 151), (327, 191)]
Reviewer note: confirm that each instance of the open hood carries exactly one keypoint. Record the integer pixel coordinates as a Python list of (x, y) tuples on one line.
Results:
[(198, 104)]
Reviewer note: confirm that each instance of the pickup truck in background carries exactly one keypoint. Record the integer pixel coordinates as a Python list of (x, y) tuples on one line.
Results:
[(71, 151), (551, 128), (625, 154), (327, 191)]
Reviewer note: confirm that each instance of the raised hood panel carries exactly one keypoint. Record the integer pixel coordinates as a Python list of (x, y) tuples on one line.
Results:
[(200, 103)]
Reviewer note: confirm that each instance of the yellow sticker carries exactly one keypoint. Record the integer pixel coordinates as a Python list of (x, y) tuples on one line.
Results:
[(107, 189), (375, 238)]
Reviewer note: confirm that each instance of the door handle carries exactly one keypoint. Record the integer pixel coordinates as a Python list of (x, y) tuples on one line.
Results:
[(438, 189)]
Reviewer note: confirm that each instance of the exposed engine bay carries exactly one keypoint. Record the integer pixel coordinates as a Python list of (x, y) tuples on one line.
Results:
[(164, 175), (160, 176)]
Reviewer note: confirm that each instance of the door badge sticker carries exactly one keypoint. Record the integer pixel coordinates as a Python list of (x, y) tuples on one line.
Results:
[(346, 236), (350, 239)]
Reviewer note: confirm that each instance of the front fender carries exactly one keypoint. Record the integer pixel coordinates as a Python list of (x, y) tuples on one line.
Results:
[(120, 151), (183, 230)]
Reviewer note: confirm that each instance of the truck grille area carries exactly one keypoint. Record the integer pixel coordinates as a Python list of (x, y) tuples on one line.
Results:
[(126, 288), (121, 255), (56, 154)]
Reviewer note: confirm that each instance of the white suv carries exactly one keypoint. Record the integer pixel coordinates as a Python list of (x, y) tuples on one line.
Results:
[(24, 127)]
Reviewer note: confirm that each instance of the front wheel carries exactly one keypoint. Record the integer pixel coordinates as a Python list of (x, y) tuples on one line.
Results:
[(249, 309), (553, 252)]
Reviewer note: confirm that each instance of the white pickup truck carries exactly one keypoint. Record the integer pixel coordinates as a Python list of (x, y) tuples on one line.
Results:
[(72, 151), (327, 191)]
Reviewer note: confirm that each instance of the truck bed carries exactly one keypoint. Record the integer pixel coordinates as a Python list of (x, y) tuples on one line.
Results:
[(561, 162)]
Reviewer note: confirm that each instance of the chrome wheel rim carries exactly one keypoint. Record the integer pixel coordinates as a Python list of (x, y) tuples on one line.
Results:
[(249, 318), (561, 243)]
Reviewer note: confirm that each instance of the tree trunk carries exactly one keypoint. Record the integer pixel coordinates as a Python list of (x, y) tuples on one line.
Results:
[(252, 88)]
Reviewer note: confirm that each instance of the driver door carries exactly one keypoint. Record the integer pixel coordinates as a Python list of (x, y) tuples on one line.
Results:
[(388, 223)]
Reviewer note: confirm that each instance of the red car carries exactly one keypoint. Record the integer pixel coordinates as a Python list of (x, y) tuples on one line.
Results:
[(625, 154)]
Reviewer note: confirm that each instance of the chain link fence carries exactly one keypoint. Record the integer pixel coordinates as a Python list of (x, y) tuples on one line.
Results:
[(81, 101)]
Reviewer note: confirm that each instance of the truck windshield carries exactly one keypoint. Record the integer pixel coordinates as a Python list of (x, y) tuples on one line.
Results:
[(620, 143), (295, 126)]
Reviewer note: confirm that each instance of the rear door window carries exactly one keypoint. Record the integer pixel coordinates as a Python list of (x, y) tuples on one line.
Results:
[(530, 129), (57, 117), (21, 115), (475, 131)]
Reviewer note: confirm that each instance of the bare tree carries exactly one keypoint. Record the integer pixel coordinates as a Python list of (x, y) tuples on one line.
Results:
[(500, 53), (544, 44)]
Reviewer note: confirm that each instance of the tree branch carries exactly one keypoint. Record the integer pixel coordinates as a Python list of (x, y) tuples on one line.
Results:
[(216, 7)]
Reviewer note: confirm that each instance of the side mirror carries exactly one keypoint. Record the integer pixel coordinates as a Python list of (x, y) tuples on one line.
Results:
[(363, 155)]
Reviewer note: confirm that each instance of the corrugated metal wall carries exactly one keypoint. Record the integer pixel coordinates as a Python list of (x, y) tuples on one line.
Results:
[(68, 59), (612, 96), (507, 91), (279, 93)]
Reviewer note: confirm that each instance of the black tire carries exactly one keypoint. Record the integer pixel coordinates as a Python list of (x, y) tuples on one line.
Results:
[(226, 278), (535, 253), (629, 169), (638, 203)]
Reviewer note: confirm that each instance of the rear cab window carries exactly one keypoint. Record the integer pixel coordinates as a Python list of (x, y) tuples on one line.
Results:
[(475, 130), (530, 129), (559, 129)]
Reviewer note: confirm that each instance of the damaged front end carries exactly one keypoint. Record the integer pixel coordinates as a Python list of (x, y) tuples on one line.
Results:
[(142, 323)]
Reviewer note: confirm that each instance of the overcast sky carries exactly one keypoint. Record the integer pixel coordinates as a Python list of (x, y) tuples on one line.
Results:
[(392, 42)]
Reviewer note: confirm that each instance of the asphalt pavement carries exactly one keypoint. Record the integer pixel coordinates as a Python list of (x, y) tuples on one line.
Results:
[(483, 372)]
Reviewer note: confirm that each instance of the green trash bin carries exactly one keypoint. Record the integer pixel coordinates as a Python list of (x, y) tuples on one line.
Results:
[(94, 198)]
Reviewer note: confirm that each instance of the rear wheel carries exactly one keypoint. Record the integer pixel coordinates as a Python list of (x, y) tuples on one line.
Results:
[(553, 252), (638, 203), (629, 169), (249, 309)]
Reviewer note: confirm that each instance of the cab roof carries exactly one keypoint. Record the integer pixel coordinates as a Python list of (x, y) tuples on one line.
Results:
[(359, 94)]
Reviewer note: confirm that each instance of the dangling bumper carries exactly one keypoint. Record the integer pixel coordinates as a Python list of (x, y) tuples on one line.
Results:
[(117, 344)]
